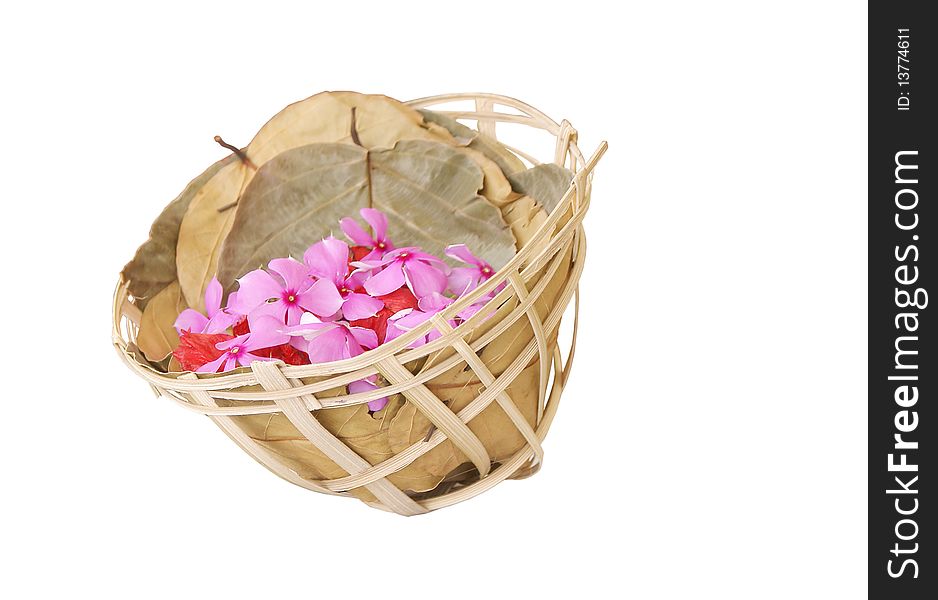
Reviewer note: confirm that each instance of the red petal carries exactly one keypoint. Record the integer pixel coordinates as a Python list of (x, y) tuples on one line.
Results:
[(197, 349), (393, 303), (359, 252), (286, 353), (241, 327), (399, 300)]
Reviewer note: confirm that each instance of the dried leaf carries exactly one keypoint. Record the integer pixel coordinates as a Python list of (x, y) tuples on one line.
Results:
[(545, 183), (154, 265), (495, 186), (324, 118), (380, 122), (203, 230), (466, 136), (157, 337), (524, 216), (429, 192)]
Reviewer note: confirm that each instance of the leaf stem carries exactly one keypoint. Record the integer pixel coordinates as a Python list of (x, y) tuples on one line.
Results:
[(238, 152), (358, 142), (354, 131)]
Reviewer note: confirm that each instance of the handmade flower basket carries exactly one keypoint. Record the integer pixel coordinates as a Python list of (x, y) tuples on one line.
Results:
[(468, 409)]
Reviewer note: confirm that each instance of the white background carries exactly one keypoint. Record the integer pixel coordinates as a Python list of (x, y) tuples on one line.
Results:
[(719, 392)]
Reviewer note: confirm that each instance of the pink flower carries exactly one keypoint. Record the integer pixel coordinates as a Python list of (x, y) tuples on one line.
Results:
[(405, 320), (238, 350), (328, 261), (377, 240), (332, 340), (288, 298), (218, 320), (337, 340), (466, 279), (423, 273)]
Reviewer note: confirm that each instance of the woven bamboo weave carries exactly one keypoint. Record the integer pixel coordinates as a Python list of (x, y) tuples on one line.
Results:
[(540, 282)]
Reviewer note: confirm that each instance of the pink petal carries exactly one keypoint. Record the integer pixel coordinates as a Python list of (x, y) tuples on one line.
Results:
[(299, 343), (434, 303), (213, 294), (354, 232), (212, 367), (232, 299), (461, 252), (393, 331), (418, 254), (247, 358), (422, 279), (255, 288), (394, 254), (266, 332), (470, 311), (235, 341), (294, 313), (322, 298), (378, 222), (388, 280), (360, 306), (375, 255), (328, 259), (310, 331), (354, 348), (191, 320), (328, 347), (366, 338), (295, 274), (464, 279), (221, 322), (402, 325), (277, 309), (363, 385), (377, 404), (356, 280)]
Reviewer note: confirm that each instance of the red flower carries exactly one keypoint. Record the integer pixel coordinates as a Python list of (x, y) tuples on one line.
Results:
[(393, 303), (359, 252), (286, 353), (241, 327), (197, 349)]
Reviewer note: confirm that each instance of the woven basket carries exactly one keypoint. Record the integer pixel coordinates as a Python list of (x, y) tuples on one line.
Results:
[(445, 383)]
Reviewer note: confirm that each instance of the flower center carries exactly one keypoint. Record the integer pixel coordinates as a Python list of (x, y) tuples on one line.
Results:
[(289, 297), (404, 255), (344, 290), (486, 270), (381, 246), (234, 350)]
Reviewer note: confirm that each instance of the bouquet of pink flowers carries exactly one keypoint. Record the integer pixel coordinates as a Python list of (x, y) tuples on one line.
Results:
[(338, 302)]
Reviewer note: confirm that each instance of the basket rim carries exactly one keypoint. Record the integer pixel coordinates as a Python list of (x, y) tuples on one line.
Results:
[(582, 176)]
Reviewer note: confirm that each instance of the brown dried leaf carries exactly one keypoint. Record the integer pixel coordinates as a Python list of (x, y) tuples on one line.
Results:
[(208, 220), (494, 150), (380, 122), (323, 118), (429, 192), (525, 215), (154, 265), (545, 183), (157, 337)]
